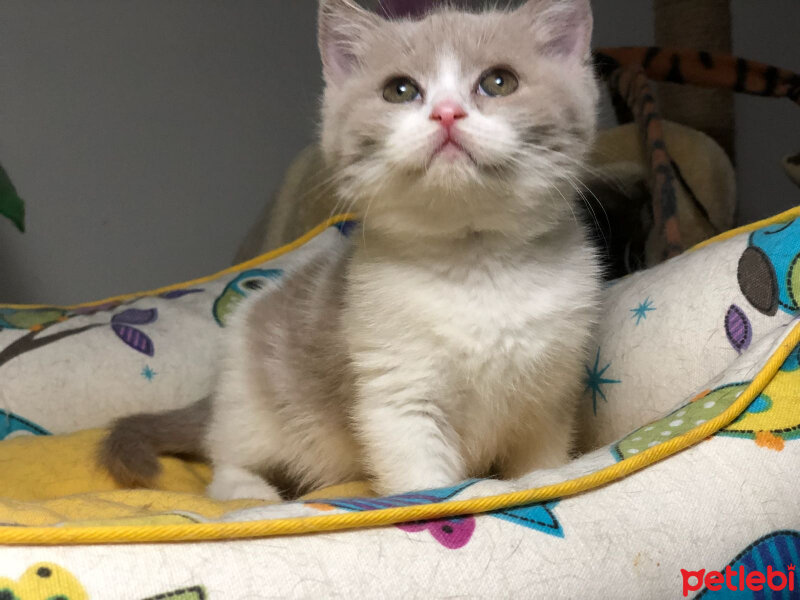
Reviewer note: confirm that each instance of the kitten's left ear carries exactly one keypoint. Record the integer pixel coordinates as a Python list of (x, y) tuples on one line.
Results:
[(562, 27), (343, 25)]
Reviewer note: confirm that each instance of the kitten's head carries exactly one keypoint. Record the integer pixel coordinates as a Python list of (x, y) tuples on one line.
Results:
[(458, 121)]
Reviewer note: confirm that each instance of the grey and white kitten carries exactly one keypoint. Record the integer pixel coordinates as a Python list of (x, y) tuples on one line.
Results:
[(447, 340)]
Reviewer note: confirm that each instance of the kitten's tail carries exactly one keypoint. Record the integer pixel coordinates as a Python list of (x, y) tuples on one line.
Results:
[(130, 451)]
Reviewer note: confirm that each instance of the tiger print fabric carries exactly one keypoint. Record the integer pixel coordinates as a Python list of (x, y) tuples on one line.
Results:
[(703, 69), (628, 72)]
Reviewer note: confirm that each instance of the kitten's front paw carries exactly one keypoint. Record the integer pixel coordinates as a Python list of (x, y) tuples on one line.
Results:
[(235, 483)]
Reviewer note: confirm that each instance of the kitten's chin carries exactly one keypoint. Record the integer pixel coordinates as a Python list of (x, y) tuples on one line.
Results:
[(450, 175), (447, 206), (454, 171), (449, 154), (446, 223)]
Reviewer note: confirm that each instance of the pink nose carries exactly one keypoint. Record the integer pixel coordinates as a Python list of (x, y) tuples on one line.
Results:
[(446, 112)]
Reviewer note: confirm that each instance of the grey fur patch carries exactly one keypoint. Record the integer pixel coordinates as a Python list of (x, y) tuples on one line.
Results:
[(367, 146), (539, 135), (130, 451)]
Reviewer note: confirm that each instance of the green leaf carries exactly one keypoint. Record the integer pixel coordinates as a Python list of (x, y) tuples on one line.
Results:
[(11, 205)]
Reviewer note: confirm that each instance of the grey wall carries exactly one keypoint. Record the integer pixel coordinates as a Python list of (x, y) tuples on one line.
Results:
[(766, 130), (146, 135)]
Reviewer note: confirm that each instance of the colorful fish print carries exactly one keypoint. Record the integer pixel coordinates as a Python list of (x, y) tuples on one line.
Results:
[(769, 269), (779, 550), (454, 532), (245, 284), (772, 419), (12, 425)]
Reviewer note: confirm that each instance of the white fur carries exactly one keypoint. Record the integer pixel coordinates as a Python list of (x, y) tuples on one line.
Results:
[(456, 329), (486, 342), (232, 482)]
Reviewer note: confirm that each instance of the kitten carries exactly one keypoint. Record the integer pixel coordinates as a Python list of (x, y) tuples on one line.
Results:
[(447, 339)]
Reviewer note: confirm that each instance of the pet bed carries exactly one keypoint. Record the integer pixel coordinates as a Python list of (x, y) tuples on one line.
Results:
[(704, 348)]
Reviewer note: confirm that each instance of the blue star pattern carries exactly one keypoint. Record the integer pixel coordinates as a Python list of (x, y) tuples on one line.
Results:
[(148, 373), (640, 312), (595, 381)]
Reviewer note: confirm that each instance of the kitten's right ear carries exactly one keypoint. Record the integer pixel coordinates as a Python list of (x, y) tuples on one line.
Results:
[(343, 26), (562, 27)]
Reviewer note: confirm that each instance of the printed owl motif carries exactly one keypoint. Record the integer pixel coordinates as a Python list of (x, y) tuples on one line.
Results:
[(245, 284), (769, 269), (31, 319)]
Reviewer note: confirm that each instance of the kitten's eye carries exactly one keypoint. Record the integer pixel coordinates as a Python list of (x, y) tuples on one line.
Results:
[(400, 90), (498, 82)]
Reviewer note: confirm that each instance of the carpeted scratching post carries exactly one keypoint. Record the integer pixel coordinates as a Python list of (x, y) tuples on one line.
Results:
[(705, 25)]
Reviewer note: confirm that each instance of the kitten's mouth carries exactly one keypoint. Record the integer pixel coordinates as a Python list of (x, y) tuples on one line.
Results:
[(451, 150)]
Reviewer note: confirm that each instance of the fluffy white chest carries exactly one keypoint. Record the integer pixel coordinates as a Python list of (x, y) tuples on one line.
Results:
[(481, 321), (485, 322), (485, 342)]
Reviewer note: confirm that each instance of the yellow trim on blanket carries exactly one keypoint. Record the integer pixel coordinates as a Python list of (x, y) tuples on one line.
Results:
[(179, 286), (792, 213), (302, 525)]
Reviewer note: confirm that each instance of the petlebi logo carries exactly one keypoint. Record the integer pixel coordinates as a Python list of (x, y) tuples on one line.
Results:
[(736, 580)]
